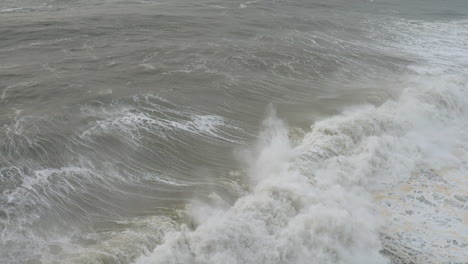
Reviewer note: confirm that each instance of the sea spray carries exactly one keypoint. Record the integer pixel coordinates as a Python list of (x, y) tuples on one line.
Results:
[(287, 218)]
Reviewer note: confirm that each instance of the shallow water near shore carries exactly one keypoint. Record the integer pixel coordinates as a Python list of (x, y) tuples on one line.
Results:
[(233, 131)]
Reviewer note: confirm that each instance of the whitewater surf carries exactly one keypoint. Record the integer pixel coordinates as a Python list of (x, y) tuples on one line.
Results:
[(233, 131)]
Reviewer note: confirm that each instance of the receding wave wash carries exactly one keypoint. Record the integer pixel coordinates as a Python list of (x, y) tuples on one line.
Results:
[(233, 131)]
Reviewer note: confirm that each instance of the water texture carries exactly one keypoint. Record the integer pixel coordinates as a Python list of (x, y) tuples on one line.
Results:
[(233, 132)]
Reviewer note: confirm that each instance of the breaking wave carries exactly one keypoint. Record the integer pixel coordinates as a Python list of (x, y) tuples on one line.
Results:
[(312, 203)]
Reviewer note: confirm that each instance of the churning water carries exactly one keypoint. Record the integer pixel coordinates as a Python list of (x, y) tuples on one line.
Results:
[(216, 131)]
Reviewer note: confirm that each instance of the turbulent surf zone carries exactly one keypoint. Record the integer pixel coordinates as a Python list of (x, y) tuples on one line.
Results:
[(310, 132), (314, 202)]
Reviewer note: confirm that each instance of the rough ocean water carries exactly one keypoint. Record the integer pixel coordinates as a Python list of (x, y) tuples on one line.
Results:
[(215, 131)]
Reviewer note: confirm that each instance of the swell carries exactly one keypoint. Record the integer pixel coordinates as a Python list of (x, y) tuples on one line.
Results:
[(64, 190), (307, 202)]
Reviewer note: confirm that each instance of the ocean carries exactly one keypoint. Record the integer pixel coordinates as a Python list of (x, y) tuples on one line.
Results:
[(233, 131)]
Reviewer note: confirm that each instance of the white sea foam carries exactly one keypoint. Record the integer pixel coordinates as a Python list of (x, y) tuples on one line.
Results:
[(131, 123), (312, 203)]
